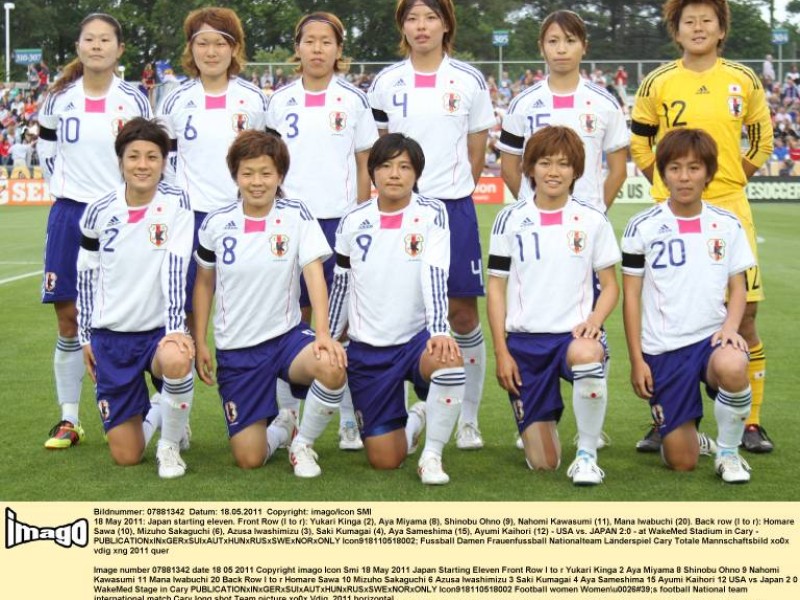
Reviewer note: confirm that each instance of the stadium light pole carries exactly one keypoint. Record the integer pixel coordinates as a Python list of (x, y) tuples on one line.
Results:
[(8, 6)]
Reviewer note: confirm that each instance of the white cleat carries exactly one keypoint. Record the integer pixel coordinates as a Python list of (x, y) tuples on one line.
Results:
[(519, 443), (731, 467), (430, 470), (468, 437), (170, 463), (304, 460), (584, 470), (349, 437)]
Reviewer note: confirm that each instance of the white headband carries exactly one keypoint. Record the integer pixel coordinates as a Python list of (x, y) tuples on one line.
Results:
[(222, 33)]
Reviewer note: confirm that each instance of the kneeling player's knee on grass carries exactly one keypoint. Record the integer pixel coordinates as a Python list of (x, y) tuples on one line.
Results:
[(679, 458), (126, 456), (249, 459)]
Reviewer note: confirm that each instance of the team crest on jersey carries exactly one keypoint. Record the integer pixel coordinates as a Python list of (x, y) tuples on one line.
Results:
[(117, 125), (50, 279), (105, 410), (279, 244), (231, 412), (240, 122), (735, 106), (414, 244), (451, 102), (158, 234), (716, 249), (519, 410), (337, 120), (576, 241), (588, 122)]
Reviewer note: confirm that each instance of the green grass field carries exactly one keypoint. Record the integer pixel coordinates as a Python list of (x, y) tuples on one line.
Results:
[(497, 473)]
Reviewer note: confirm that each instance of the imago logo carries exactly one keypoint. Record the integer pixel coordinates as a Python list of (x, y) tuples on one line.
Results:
[(17, 532)]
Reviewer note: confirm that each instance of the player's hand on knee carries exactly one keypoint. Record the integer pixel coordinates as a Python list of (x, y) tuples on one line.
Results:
[(729, 335), (335, 350), (508, 374), (184, 342), (587, 329), (443, 348), (90, 362)]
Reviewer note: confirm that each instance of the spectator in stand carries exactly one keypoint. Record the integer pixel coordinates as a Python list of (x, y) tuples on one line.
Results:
[(149, 81), (767, 71), (789, 93), (794, 149), (786, 169), (44, 77), (21, 153), (795, 74), (5, 149), (779, 150), (621, 84), (33, 77)]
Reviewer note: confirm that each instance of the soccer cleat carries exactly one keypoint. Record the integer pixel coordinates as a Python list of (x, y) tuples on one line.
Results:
[(186, 438), (468, 437), (170, 463), (731, 467), (584, 470), (430, 470), (349, 437), (286, 419), (756, 440), (602, 441), (651, 442), (64, 435), (304, 460), (708, 447), (419, 410), (519, 443)]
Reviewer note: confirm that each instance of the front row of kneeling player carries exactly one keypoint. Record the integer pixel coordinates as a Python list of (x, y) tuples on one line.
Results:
[(679, 261)]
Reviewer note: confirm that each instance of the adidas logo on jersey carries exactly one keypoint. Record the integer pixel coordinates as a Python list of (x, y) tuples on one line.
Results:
[(291, 102), (399, 83), (191, 104), (664, 229), (113, 221), (527, 223), (538, 104), (70, 106), (365, 224), (231, 225), (703, 90)]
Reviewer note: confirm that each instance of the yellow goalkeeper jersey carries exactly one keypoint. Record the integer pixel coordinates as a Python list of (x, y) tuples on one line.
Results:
[(723, 101)]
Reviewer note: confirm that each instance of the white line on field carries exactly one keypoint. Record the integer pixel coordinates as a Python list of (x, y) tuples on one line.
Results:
[(18, 277), (20, 262)]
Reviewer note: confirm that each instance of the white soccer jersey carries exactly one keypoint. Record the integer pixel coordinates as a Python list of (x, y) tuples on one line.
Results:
[(202, 127), (76, 145), (549, 258), (686, 264), (258, 264), (323, 131), (390, 281), (438, 110), (133, 261), (592, 112)]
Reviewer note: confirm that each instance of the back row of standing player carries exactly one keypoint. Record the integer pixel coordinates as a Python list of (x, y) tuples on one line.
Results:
[(328, 125)]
